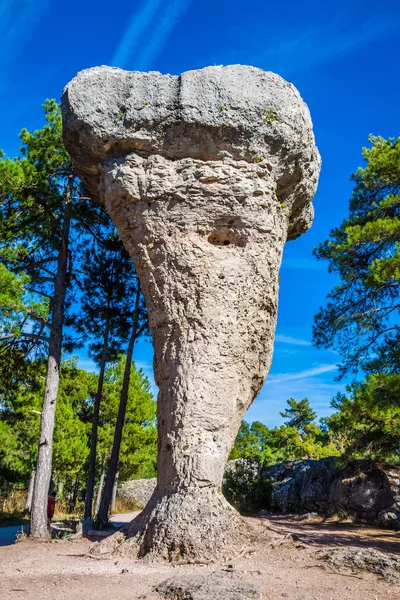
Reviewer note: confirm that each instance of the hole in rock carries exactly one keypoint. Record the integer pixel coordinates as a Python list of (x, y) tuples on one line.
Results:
[(226, 237)]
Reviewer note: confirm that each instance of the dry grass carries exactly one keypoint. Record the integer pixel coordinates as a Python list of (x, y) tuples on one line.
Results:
[(340, 516), (124, 506), (62, 512), (14, 503), (12, 508)]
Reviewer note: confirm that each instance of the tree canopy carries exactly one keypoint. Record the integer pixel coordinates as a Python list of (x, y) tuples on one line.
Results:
[(360, 320)]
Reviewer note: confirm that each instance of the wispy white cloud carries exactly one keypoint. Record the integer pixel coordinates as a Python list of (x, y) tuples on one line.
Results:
[(18, 19), (318, 370), (288, 339), (147, 33), (319, 45), (275, 393), (131, 39)]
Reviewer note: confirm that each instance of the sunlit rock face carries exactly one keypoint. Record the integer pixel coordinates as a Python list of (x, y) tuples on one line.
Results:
[(206, 176)]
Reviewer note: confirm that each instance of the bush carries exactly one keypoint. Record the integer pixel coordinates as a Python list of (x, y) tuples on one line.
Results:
[(247, 487)]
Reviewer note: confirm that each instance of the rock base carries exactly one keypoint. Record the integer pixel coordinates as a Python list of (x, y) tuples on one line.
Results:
[(182, 527)]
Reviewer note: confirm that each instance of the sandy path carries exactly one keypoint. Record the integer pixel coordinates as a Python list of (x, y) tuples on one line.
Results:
[(62, 570)]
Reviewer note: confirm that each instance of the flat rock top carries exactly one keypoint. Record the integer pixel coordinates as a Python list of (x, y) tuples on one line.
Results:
[(237, 111), (112, 102)]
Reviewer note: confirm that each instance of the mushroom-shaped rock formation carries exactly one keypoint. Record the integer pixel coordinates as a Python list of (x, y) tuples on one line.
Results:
[(205, 176)]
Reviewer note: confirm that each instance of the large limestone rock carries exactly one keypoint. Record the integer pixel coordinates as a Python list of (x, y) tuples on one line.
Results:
[(206, 176), (367, 490), (137, 491)]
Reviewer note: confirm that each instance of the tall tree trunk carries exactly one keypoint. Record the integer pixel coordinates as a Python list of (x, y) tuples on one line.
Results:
[(95, 426), (44, 460), (102, 518), (114, 491), (101, 483), (28, 505)]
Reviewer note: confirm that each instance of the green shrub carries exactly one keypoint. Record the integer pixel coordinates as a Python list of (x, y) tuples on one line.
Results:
[(246, 487)]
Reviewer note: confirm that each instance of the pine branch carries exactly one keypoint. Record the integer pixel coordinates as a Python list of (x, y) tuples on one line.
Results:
[(40, 320), (18, 337)]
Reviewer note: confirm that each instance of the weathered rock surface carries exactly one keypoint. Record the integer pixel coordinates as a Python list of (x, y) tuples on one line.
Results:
[(220, 585), (137, 491), (383, 564), (206, 176), (236, 112), (364, 489)]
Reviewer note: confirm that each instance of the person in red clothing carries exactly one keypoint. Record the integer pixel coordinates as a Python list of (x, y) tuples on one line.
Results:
[(51, 503)]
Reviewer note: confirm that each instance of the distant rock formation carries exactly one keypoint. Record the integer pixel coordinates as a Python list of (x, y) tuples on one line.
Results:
[(364, 489)]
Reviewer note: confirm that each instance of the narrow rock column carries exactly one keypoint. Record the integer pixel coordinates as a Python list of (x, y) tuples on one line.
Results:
[(204, 203)]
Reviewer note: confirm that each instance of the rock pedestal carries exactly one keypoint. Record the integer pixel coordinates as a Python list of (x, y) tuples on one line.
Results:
[(206, 176)]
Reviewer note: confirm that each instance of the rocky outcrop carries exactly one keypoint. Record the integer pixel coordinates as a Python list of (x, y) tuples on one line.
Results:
[(137, 491), (206, 176), (364, 489)]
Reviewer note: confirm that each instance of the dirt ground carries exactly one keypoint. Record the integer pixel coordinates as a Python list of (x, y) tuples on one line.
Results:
[(282, 567)]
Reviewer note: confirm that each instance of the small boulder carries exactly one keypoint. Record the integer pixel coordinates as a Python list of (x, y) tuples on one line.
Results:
[(137, 491), (220, 585)]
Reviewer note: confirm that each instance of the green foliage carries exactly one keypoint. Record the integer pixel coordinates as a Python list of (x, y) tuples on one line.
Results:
[(77, 389), (42, 216), (367, 421), (298, 439), (138, 452), (246, 487), (20, 419), (57, 248), (299, 414), (107, 284), (360, 318)]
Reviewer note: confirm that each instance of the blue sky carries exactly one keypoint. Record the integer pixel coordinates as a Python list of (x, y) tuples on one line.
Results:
[(343, 57)]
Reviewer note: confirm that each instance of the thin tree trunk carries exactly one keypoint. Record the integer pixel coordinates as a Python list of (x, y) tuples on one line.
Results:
[(74, 495), (95, 426), (102, 518), (39, 527), (28, 504), (114, 491), (60, 489), (101, 483)]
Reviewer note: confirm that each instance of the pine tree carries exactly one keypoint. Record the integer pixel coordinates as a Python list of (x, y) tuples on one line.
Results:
[(107, 283), (42, 215), (20, 418), (360, 319), (299, 414), (366, 423), (138, 452), (139, 327)]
